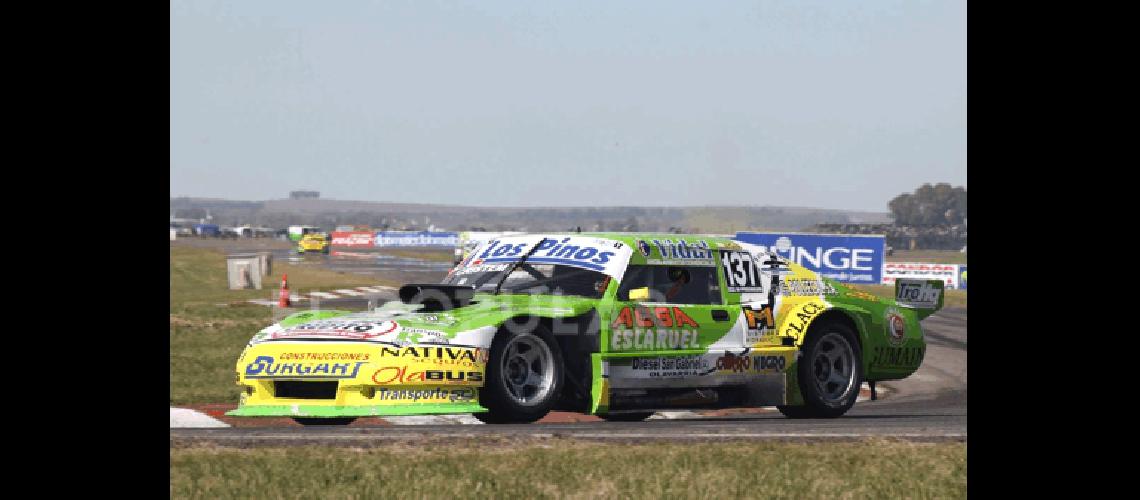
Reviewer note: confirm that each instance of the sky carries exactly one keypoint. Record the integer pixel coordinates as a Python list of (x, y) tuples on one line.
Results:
[(840, 104)]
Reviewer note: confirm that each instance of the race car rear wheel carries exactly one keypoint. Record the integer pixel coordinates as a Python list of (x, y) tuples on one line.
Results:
[(324, 421), (524, 377), (627, 417), (829, 373)]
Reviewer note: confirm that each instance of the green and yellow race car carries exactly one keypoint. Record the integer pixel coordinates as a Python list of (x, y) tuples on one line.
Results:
[(313, 242), (614, 325)]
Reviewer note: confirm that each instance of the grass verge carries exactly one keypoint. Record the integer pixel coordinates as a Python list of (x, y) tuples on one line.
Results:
[(210, 324), (574, 469)]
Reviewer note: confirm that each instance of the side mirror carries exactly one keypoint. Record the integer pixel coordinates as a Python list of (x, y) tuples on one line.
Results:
[(639, 293)]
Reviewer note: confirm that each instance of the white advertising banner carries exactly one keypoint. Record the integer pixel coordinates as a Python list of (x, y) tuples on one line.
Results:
[(948, 273), (597, 254)]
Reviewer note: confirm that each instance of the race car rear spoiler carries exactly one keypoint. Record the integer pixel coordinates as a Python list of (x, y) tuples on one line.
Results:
[(924, 296)]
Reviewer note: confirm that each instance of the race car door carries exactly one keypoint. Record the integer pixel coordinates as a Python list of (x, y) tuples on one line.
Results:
[(669, 326)]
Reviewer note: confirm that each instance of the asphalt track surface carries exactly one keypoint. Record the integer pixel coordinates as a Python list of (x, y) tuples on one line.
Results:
[(930, 405)]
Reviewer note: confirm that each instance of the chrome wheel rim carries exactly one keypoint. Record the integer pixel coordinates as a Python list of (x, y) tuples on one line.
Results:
[(527, 370), (833, 368)]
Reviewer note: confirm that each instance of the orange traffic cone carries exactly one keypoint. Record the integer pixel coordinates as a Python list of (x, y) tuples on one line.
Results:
[(283, 301)]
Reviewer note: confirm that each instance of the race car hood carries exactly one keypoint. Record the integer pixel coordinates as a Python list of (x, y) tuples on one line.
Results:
[(402, 324)]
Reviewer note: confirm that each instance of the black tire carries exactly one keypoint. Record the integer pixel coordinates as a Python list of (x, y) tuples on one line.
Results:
[(796, 411), (324, 421), (490, 418), (497, 396), (821, 339), (627, 417)]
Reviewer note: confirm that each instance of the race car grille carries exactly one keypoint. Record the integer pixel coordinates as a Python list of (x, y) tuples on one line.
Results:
[(304, 390)]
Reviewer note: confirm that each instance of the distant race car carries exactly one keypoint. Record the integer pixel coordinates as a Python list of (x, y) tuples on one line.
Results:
[(614, 325), (313, 242)]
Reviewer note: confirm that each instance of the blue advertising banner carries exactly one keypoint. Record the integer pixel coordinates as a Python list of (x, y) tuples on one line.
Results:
[(961, 276), (849, 258), (416, 239)]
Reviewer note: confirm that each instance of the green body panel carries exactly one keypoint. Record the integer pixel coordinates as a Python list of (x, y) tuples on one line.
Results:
[(597, 386), (491, 310), (708, 330), (882, 359)]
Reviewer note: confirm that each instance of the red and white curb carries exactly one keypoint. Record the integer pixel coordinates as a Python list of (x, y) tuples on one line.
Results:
[(359, 291), (185, 418), (672, 415), (461, 419)]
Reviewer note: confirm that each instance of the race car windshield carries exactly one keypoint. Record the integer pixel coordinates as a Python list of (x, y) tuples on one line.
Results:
[(532, 279)]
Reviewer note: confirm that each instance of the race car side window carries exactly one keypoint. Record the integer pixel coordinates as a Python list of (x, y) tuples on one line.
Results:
[(673, 284), (636, 276)]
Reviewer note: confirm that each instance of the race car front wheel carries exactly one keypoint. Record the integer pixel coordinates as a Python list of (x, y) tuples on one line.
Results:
[(829, 373), (523, 378), (324, 421)]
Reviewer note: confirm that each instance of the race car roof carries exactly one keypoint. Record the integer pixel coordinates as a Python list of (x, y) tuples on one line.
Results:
[(629, 248)]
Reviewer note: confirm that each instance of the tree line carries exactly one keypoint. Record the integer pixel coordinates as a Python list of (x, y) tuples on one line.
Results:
[(930, 205)]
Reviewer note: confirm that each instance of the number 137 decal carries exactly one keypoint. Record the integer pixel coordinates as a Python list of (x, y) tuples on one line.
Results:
[(741, 273)]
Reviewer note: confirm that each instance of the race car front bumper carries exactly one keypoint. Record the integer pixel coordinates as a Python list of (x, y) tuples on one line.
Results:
[(333, 379)]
